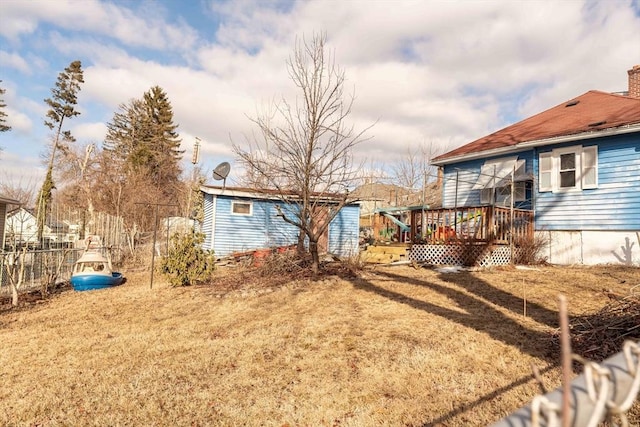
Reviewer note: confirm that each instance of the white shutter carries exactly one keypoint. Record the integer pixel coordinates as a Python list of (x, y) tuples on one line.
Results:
[(545, 172), (590, 167)]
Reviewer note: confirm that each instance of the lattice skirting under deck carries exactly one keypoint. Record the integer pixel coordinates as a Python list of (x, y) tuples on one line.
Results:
[(468, 255)]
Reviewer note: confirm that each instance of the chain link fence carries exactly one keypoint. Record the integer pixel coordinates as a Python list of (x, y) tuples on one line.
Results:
[(604, 391), (38, 265)]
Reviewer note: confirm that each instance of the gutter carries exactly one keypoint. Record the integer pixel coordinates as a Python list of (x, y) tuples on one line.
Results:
[(537, 143)]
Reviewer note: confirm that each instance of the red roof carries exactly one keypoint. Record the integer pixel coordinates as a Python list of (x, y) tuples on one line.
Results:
[(592, 112)]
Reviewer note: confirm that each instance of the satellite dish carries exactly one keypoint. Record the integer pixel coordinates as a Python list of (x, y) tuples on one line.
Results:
[(221, 172)]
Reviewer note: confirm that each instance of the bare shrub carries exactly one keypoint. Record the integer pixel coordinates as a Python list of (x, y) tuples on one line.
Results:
[(530, 249), (283, 263)]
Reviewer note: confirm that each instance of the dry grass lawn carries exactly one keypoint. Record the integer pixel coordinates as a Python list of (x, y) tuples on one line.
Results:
[(395, 346)]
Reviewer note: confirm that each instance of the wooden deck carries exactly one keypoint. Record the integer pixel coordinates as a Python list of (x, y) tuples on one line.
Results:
[(486, 224)]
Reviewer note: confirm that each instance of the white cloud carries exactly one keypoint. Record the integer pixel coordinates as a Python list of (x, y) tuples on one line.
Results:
[(15, 61), (19, 171), (100, 18), (445, 72), (93, 132), (19, 122)]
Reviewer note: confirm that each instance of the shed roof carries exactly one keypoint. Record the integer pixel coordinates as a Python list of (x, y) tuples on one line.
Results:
[(270, 194), (592, 114)]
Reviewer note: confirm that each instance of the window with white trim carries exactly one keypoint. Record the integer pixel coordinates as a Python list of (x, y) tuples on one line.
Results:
[(568, 169), (242, 208)]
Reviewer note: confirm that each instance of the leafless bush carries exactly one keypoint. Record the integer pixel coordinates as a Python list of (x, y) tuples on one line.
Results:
[(530, 249), (282, 263)]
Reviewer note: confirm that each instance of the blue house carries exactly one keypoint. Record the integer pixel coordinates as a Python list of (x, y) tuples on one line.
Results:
[(576, 166), (238, 220)]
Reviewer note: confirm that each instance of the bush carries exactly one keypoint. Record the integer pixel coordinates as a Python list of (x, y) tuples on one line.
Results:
[(531, 250), (186, 262)]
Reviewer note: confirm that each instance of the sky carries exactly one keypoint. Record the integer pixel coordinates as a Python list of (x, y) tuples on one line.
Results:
[(424, 73)]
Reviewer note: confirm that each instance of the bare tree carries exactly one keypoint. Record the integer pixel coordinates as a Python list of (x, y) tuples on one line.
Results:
[(305, 149), (24, 191), (15, 264), (79, 170), (414, 169)]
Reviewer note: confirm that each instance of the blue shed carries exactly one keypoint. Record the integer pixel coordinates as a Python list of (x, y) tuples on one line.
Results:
[(238, 220)]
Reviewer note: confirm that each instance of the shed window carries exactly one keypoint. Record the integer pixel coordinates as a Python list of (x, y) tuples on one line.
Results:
[(242, 208)]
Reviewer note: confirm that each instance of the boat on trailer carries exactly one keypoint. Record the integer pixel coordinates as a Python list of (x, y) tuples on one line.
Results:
[(93, 269)]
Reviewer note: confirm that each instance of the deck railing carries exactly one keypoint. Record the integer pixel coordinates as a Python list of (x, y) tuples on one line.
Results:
[(486, 224)]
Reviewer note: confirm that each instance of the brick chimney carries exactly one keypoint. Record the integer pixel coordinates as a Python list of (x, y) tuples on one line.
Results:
[(634, 81)]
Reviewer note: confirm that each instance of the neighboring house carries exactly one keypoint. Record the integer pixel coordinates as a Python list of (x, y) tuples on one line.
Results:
[(22, 229), (179, 224), (238, 220), (4, 203), (576, 165)]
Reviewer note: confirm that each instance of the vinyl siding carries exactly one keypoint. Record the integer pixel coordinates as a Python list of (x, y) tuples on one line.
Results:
[(207, 224), (240, 233), (614, 205), (227, 233), (344, 231), (3, 217), (466, 174)]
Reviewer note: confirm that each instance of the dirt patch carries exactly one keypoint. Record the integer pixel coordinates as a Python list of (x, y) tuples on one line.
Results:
[(29, 299)]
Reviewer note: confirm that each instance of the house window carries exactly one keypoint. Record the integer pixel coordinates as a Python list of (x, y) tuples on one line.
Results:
[(242, 208), (503, 194), (566, 169)]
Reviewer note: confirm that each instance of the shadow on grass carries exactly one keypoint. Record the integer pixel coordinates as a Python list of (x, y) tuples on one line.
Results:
[(480, 316), (483, 399)]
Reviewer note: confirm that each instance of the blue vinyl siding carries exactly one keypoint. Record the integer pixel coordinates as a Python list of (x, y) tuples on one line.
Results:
[(207, 223), (239, 233), (227, 233), (614, 205), (466, 174), (344, 231)]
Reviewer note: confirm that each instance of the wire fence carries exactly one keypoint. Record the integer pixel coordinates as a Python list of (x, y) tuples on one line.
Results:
[(37, 266), (604, 391)]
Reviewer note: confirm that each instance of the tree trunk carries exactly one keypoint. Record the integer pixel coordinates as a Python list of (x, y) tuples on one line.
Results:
[(14, 295), (16, 283), (315, 257), (301, 237)]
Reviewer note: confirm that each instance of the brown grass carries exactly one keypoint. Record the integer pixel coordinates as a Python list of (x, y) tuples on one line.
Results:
[(393, 346)]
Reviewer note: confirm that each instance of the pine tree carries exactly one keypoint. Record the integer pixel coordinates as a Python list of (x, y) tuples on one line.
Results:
[(3, 126), (144, 147), (62, 105), (162, 147)]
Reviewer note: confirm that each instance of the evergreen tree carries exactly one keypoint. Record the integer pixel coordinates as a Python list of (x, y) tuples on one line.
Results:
[(3, 126), (62, 105), (144, 147), (142, 139), (162, 146)]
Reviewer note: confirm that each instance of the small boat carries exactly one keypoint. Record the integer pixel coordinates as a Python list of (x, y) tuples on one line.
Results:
[(93, 271)]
